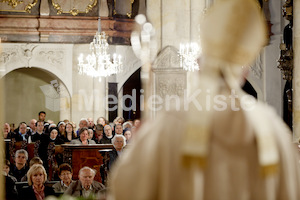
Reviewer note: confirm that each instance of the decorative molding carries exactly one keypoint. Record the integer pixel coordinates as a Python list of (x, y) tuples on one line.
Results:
[(128, 14), (167, 59), (5, 57), (53, 57), (30, 6), (73, 11), (172, 84), (26, 52), (256, 68), (12, 3), (169, 78), (15, 3)]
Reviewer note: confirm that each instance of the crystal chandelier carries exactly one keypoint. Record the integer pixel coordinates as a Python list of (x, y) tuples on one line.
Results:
[(99, 62), (188, 54)]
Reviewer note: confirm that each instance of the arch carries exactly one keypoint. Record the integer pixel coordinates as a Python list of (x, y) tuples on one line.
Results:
[(30, 90), (248, 88), (255, 86), (19, 67), (131, 64), (132, 87), (54, 58)]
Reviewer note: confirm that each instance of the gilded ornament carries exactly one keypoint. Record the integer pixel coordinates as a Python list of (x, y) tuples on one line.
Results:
[(12, 3), (30, 6), (57, 7), (91, 6), (74, 11)]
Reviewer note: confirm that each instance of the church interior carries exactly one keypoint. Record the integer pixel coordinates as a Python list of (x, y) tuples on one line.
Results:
[(42, 68)]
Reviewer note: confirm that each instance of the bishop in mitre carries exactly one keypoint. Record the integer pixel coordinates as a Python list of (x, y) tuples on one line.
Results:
[(239, 153)]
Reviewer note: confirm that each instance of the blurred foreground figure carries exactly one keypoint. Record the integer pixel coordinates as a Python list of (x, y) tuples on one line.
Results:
[(224, 145)]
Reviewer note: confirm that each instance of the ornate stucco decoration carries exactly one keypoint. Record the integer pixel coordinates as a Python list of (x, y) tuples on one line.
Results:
[(6, 56), (256, 68), (25, 5), (170, 81), (12, 3), (167, 59), (53, 57), (62, 8), (123, 7)]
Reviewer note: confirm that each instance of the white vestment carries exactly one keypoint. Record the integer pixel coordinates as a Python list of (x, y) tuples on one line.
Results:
[(152, 167), (209, 154)]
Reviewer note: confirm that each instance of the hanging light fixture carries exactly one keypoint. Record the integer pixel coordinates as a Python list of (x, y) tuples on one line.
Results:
[(188, 54), (99, 63)]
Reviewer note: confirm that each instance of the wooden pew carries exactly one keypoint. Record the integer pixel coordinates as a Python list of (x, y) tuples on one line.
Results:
[(79, 156), (12, 146)]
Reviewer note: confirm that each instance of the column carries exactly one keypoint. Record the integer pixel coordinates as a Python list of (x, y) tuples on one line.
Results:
[(296, 72)]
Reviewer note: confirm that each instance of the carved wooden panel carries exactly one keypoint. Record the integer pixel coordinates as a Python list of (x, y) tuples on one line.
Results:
[(85, 155)]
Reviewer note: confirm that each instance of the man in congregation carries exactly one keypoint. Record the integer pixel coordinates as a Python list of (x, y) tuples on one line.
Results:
[(39, 132), (20, 168), (86, 186), (32, 127), (220, 152), (83, 123), (42, 116), (7, 134), (22, 134)]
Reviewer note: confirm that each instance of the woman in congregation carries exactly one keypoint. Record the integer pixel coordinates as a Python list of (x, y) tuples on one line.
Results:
[(119, 142), (69, 134), (83, 137), (54, 137), (65, 174), (108, 135), (37, 190), (127, 135), (61, 126)]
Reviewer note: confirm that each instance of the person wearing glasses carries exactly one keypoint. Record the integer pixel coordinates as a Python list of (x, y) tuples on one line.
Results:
[(65, 174)]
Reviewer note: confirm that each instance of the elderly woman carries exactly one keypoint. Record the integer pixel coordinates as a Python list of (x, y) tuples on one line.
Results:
[(65, 174), (119, 142), (83, 137), (36, 176)]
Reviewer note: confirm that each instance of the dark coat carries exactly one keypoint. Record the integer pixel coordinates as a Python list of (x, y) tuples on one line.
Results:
[(113, 155), (18, 174), (28, 193), (18, 137), (35, 137), (105, 140), (10, 188)]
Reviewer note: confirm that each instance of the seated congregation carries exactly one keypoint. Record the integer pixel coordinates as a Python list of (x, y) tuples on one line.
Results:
[(45, 159)]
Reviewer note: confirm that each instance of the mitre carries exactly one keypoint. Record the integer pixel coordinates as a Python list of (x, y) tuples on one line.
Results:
[(233, 31)]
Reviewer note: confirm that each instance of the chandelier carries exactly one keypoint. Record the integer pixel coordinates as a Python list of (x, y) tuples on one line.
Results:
[(188, 54), (99, 63)]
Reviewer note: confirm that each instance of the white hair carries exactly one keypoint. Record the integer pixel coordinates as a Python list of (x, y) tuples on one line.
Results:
[(119, 136), (84, 119), (87, 168)]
